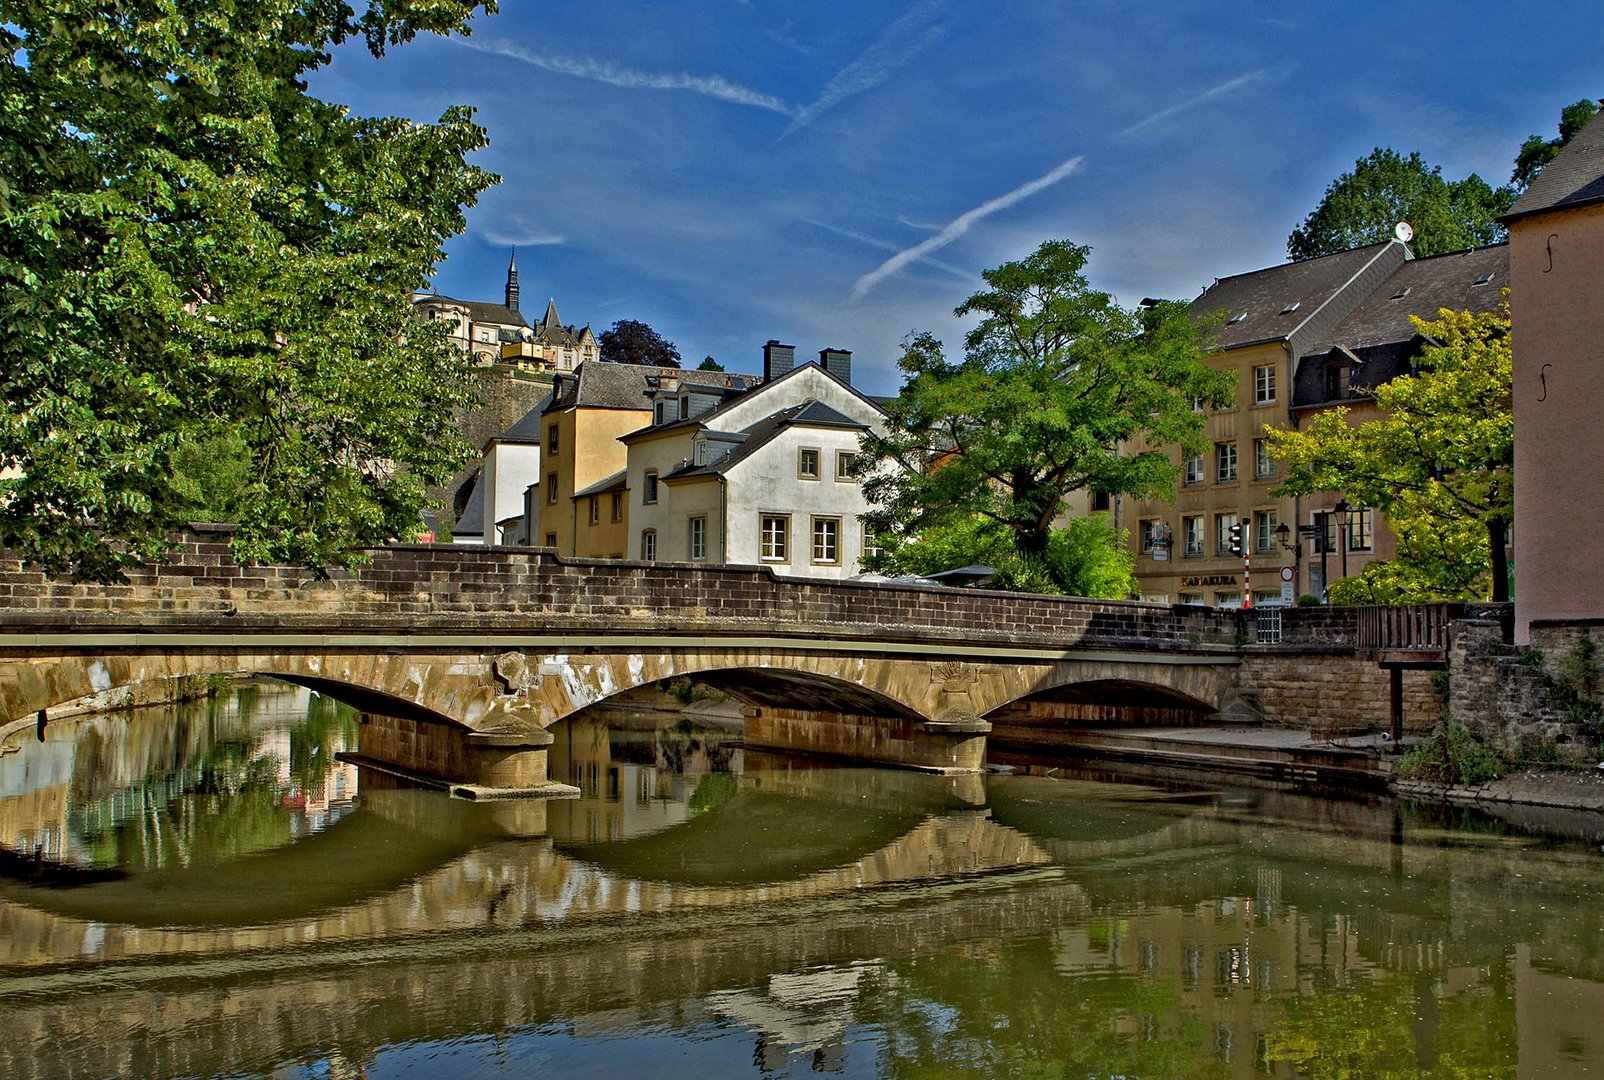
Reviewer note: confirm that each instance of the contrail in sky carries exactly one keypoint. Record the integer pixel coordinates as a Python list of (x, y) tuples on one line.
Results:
[(897, 44), (1207, 95), (955, 271), (713, 86), (958, 226)]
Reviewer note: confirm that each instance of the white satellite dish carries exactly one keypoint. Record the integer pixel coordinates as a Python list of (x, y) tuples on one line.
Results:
[(1404, 231)]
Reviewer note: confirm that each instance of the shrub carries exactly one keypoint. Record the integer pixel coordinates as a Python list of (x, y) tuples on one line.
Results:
[(1452, 755)]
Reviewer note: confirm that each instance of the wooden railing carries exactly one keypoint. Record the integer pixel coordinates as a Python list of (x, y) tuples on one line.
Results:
[(1421, 628)]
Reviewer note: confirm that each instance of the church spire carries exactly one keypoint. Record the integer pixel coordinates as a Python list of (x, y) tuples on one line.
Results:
[(512, 280)]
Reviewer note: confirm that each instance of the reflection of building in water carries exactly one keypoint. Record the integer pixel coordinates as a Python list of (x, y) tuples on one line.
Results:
[(64, 799), (633, 783), (801, 1014)]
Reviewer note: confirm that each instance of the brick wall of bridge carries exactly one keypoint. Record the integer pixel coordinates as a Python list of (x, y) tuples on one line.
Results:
[(441, 587)]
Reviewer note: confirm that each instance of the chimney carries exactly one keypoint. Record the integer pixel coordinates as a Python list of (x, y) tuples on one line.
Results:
[(777, 359), (837, 362)]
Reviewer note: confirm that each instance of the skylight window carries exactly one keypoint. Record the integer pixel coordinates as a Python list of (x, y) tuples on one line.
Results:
[(1400, 294), (1234, 319), (1290, 308), (1484, 279)]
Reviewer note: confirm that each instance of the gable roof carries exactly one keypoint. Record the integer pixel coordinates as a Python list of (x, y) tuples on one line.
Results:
[(616, 482), (1574, 178), (596, 385), (1296, 299), (808, 413), (731, 400), (471, 522)]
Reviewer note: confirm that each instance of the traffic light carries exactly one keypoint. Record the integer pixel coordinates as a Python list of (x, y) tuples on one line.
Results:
[(1236, 539)]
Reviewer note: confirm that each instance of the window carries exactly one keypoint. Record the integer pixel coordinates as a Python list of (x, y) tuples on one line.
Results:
[(551, 439), (1223, 524), (551, 487), (1225, 462), (648, 545), (698, 538), (775, 537), (1100, 502), (1195, 599), (1263, 463), (1361, 529), (1264, 384), (551, 539), (1194, 470), (1336, 381), (1152, 534), (595, 509), (618, 506), (827, 540), (845, 462), (684, 407), (699, 455), (1193, 528), (807, 463), (1228, 599), (658, 415), (1264, 523), (649, 496), (1197, 402)]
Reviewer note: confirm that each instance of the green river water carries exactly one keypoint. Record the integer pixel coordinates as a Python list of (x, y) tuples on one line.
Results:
[(206, 890)]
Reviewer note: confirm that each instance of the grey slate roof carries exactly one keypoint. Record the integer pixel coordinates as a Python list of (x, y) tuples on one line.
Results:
[(526, 429), (1318, 287), (478, 310), (471, 522), (624, 386), (1378, 341), (809, 413), (753, 384), (1574, 178), (616, 482)]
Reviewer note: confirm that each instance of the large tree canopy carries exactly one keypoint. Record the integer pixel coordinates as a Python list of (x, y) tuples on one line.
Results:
[(1059, 389), (1363, 206), (1439, 463), (633, 342), (199, 258), (1537, 151)]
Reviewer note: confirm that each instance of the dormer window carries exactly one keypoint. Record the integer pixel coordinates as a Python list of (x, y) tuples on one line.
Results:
[(1336, 381), (658, 413), (684, 407), (699, 455)]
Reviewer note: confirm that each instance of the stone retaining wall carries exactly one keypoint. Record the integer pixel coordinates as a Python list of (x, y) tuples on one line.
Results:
[(1332, 691)]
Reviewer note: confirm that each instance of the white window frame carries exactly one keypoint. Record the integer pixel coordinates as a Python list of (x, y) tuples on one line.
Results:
[(1196, 528), (648, 545), (802, 458), (1222, 532), (698, 538), (1193, 471), (844, 462), (1225, 470), (1263, 463), (1264, 523), (774, 544), (1264, 384), (551, 489), (826, 537), (648, 494)]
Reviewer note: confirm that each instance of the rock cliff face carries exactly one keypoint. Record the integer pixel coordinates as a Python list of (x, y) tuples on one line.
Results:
[(505, 395)]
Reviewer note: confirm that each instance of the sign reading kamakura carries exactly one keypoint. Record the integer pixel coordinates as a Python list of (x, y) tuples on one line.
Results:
[(1211, 579)]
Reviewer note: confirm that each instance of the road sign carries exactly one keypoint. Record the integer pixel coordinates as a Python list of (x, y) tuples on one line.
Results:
[(1287, 573)]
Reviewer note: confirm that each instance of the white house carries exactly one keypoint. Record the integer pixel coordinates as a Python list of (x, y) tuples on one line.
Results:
[(494, 512), (764, 478)]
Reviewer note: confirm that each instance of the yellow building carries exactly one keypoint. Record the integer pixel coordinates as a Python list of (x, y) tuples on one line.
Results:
[(1301, 337), (580, 505), (499, 333)]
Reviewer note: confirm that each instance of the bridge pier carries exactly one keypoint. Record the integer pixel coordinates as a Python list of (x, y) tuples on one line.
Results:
[(472, 764), (945, 745)]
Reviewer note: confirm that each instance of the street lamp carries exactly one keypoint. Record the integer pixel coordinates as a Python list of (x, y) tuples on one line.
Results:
[(1342, 530), (1283, 536)]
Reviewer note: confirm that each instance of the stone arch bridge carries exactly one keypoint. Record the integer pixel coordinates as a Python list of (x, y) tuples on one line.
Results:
[(461, 658)]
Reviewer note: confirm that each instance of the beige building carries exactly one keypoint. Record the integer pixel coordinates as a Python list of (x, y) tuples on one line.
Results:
[(1556, 241), (1301, 338), (499, 333)]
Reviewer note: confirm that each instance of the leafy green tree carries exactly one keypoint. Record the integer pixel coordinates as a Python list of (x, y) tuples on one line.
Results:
[(1087, 557), (1057, 385), (1362, 207), (1537, 151), (633, 342), (1439, 463), (709, 364), (198, 253)]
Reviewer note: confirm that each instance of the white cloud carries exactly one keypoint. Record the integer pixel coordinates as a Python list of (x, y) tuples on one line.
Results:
[(713, 86), (1207, 95), (960, 225), (897, 44), (516, 235)]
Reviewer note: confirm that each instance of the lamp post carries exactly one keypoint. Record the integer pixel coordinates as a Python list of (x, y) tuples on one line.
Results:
[(1342, 530), (1283, 534)]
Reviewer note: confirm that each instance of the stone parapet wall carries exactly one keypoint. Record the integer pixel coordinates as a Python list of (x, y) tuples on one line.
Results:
[(1332, 691), (1514, 696), (424, 588)]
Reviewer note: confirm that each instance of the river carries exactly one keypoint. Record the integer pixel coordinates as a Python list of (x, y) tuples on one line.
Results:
[(207, 890)]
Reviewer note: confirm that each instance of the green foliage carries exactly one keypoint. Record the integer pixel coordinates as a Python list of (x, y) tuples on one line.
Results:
[(1088, 557), (1057, 383), (1361, 207), (1537, 151), (632, 342), (1574, 685), (1439, 463), (709, 364), (1452, 755), (205, 277)]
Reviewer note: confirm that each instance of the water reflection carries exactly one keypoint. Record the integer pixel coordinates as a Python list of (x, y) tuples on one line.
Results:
[(706, 910)]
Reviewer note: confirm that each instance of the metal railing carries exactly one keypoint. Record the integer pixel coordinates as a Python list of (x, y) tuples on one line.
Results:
[(1267, 622)]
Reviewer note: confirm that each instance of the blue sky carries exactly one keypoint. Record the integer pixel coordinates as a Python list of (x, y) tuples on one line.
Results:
[(837, 174)]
